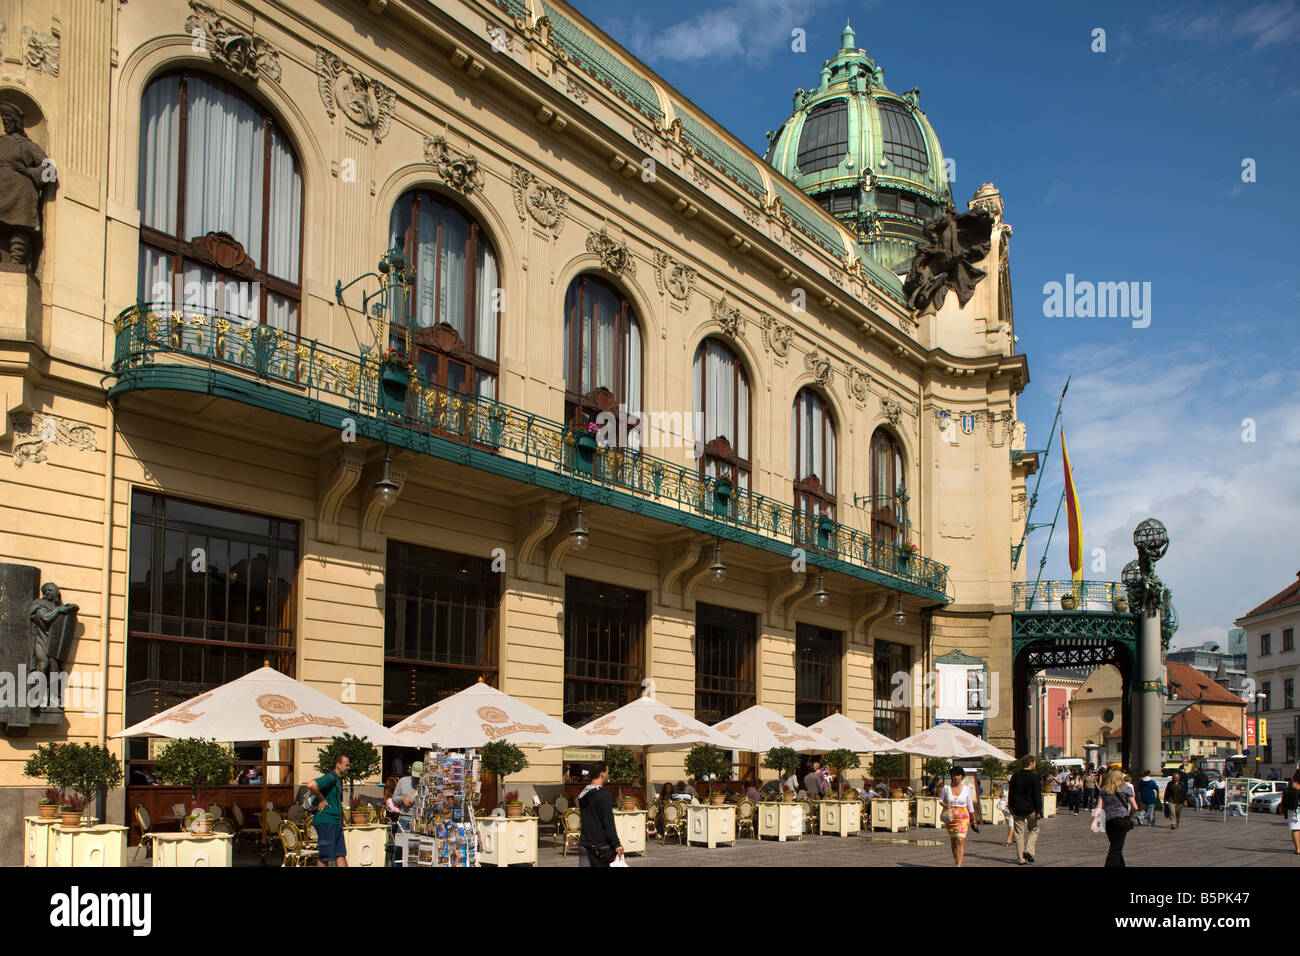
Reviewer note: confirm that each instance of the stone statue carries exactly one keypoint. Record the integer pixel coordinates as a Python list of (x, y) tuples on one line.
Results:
[(52, 626), (24, 171), (946, 259)]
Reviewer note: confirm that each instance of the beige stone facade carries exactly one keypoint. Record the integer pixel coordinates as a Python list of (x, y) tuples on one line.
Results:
[(502, 94)]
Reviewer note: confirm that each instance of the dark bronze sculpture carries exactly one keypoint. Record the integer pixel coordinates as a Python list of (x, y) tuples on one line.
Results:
[(946, 259), (52, 625), (36, 636), (24, 172)]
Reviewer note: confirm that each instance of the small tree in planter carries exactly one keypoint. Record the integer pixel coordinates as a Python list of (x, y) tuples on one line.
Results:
[(887, 766), (363, 759), (88, 769), (195, 763), (1045, 769), (503, 758), (40, 766), (995, 770), (841, 760), (705, 761), (784, 761), (936, 767), (623, 766)]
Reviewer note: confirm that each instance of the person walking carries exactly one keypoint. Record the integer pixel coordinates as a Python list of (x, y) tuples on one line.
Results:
[(1202, 782), (328, 818), (1025, 800), (1006, 813), (1090, 788), (812, 782), (1291, 810), (1149, 791), (1118, 806), (600, 845), (958, 801), (1175, 794)]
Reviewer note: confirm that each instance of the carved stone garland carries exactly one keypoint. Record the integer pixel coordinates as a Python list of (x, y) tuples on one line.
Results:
[(458, 170), (231, 45), (367, 102), (33, 432), (776, 335), (546, 204), (614, 256), (674, 277), (41, 51), (727, 316)]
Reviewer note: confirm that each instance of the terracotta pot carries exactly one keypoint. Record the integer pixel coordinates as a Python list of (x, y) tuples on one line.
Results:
[(718, 799), (514, 810), (360, 818), (48, 811), (71, 818), (203, 826), (896, 793), (629, 803), (787, 796)]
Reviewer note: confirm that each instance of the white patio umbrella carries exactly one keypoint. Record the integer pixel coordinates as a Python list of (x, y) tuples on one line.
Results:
[(848, 733), (948, 741), (262, 705), (481, 714), (758, 730), (651, 726)]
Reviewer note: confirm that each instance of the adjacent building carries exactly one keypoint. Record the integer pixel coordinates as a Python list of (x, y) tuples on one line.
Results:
[(1223, 661), (1274, 667), (1051, 717)]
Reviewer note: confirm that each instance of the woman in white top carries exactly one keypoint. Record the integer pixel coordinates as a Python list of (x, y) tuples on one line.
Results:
[(959, 802)]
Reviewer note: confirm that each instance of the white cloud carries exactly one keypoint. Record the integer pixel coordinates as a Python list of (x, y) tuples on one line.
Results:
[(1269, 24), (754, 30)]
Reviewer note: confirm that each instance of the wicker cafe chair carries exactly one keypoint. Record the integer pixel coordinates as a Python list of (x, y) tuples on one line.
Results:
[(294, 849), (145, 823), (242, 829), (223, 826), (674, 822), (273, 820), (746, 814), (571, 821), (296, 814), (546, 816)]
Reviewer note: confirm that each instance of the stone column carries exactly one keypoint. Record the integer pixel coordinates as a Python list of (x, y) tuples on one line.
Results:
[(1150, 702)]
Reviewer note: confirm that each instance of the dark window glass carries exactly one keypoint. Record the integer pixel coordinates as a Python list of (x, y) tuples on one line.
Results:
[(1288, 639), (903, 145), (1288, 694), (1265, 645), (604, 649), (889, 660), (1266, 701), (602, 350), (825, 137), (817, 691), (722, 402), (812, 452), (440, 626), (886, 487), (725, 666)]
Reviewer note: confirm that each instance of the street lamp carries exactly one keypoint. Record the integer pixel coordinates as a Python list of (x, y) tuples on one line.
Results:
[(1061, 712), (1260, 695)]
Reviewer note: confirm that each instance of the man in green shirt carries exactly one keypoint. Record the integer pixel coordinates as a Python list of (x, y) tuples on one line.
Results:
[(329, 814)]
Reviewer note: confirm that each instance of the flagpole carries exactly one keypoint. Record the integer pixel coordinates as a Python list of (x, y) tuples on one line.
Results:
[(1033, 499)]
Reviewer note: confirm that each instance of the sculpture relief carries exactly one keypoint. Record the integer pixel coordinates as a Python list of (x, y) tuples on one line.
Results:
[(859, 384), (24, 172), (727, 316), (41, 51), (367, 102), (52, 624), (458, 170), (946, 259), (33, 433), (892, 409), (614, 256), (820, 367), (230, 45), (776, 336), (546, 204), (674, 277)]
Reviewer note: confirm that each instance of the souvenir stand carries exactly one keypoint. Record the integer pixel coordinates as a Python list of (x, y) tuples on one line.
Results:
[(443, 831)]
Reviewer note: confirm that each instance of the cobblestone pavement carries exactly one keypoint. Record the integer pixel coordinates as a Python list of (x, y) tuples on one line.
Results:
[(1203, 839)]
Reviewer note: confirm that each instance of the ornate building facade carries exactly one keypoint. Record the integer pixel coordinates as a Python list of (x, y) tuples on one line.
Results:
[(224, 451)]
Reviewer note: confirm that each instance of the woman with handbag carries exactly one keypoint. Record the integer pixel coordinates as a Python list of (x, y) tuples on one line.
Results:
[(958, 801), (1117, 804)]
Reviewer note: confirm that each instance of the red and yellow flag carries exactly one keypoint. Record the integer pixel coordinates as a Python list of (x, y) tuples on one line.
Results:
[(1074, 517)]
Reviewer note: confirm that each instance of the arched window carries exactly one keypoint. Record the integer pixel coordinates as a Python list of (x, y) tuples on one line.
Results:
[(220, 203), (602, 353), (903, 144), (812, 442), (722, 408), (450, 315), (887, 518)]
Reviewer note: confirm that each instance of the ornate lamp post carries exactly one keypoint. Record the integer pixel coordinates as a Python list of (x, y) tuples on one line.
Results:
[(1148, 599)]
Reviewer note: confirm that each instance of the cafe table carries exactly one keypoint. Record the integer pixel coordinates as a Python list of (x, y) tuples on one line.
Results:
[(188, 850), (711, 825), (630, 825)]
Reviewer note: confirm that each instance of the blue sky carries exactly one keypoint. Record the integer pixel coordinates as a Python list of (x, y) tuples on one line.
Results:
[(1117, 166)]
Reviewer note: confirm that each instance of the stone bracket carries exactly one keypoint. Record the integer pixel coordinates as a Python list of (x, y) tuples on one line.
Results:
[(533, 522), (866, 609), (675, 557), (559, 543), (372, 510), (780, 586), (336, 476)]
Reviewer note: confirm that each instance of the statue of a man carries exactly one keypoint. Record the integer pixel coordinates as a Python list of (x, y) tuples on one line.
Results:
[(45, 610), (24, 171)]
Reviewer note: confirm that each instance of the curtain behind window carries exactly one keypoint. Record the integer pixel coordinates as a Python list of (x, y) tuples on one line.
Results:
[(159, 154), (223, 176), (285, 212)]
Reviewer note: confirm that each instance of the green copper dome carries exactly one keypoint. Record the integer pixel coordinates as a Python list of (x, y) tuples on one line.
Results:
[(868, 156)]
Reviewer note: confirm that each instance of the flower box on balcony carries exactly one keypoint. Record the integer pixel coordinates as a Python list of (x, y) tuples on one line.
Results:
[(723, 489), (584, 452), (394, 380)]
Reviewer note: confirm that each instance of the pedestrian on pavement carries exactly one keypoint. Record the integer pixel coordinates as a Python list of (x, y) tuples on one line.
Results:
[(1150, 793), (958, 801), (1291, 809), (1090, 788), (1202, 781), (1119, 807), (1006, 813), (328, 819), (812, 781), (1175, 794), (600, 845), (1025, 800)]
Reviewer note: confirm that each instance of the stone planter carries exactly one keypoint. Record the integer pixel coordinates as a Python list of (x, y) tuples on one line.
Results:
[(629, 804), (394, 380), (1068, 602)]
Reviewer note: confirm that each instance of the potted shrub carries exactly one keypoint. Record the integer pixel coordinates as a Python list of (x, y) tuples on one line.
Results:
[(71, 809), (840, 760), (936, 768), (785, 762), (363, 760), (394, 380), (200, 817), (503, 758), (1045, 770), (624, 769), (41, 766), (359, 815), (48, 806), (514, 806), (907, 551), (723, 488), (995, 770), (88, 770), (707, 762), (825, 523), (889, 767), (584, 453), (195, 763), (1069, 602)]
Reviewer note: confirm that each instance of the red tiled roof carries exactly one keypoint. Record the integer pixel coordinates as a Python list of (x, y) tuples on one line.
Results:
[(1285, 598), (1187, 683), (1193, 723)]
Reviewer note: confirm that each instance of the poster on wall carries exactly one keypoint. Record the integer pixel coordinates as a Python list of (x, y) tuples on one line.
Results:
[(961, 691)]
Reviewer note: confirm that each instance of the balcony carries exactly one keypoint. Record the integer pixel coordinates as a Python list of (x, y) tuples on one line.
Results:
[(1088, 599), (198, 351)]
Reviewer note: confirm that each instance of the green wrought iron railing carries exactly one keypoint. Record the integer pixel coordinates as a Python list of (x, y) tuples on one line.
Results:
[(1046, 595), (148, 336)]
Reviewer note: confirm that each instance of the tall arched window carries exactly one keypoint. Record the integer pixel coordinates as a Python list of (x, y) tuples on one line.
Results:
[(887, 519), (722, 409), (812, 442), (451, 313), (220, 203), (602, 353)]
